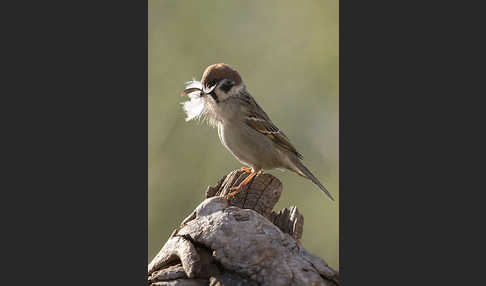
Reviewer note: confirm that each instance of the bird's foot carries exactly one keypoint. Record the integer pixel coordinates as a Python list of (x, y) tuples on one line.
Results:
[(247, 170), (246, 181), (230, 195)]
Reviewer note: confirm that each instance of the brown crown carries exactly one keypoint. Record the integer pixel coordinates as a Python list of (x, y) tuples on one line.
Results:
[(219, 71)]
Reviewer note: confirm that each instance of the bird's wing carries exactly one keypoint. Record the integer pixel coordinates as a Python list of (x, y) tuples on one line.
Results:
[(257, 119)]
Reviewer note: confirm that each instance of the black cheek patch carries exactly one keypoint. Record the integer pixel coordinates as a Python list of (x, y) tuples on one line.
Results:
[(226, 87), (214, 96)]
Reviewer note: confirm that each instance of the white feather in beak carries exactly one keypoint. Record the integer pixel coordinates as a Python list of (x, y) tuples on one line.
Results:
[(195, 106)]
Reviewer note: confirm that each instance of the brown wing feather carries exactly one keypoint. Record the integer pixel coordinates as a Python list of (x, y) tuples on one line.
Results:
[(259, 120), (268, 129)]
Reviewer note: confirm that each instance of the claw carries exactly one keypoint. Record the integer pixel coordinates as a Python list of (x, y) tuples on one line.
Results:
[(248, 170), (246, 181), (230, 195)]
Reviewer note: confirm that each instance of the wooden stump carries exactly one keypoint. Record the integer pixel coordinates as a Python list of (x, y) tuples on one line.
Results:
[(240, 241)]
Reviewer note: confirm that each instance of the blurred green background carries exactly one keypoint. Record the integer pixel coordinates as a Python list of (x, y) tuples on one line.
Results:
[(287, 54)]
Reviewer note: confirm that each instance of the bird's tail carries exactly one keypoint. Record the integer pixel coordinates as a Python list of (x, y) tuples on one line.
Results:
[(304, 172)]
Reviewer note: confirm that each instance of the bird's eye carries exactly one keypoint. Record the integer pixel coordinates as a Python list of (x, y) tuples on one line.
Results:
[(226, 86)]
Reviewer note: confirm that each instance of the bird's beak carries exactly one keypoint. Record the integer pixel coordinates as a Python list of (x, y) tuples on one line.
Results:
[(204, 91), (192, 86), (190, 90)]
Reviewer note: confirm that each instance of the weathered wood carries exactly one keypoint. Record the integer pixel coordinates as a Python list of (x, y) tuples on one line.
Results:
[(240, 241), (260, 195), (290, 221)]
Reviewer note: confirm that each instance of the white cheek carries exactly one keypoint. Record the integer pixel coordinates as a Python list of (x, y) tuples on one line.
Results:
[(221, 95), (235, 90)]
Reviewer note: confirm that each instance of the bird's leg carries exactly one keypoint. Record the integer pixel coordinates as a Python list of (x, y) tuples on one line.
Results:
[(247, 180), (243, 183), (248, 170)]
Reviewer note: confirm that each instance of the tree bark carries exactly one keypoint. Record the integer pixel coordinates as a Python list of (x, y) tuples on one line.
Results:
[(240, 241)]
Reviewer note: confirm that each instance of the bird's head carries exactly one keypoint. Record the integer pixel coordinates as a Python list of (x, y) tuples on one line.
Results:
[(219, 82), (210, 97)]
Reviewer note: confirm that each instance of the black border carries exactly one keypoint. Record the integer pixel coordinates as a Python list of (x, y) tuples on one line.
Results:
[(409, 142), (76, 154)]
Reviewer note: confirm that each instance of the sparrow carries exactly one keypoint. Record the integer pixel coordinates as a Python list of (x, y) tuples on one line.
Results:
[(222, 100)]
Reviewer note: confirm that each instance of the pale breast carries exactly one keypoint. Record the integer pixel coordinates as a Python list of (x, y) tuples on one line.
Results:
[(248, 146)]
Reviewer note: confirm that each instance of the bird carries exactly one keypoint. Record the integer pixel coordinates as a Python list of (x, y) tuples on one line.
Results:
[(223, 101)]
